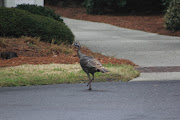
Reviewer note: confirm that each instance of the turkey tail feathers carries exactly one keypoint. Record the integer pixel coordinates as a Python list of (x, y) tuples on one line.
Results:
[(103, 70)]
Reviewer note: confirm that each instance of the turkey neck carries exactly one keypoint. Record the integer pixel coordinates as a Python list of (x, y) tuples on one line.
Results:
[(79, 52)]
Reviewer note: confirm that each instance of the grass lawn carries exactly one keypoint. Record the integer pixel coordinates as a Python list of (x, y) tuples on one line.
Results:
[(27, 75)]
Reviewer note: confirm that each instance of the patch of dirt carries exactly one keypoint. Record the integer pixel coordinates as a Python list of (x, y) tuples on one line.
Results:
[(33, 51), (151, 23)]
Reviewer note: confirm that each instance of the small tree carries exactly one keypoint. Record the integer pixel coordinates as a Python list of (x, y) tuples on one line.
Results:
[(172, 16)]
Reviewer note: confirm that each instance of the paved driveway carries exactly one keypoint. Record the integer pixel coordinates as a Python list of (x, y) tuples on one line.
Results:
[(144, 49)]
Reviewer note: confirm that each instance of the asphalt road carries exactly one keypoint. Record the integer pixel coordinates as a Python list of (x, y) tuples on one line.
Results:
[(108, 101)]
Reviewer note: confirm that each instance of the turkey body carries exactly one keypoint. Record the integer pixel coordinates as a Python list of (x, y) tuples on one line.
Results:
[(91, 65)]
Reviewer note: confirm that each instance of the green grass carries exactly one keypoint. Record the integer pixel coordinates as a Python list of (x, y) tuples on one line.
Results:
[(27, 75)]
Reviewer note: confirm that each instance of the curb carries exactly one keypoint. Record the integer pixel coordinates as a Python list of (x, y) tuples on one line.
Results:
[(158, 76), (158, 73)]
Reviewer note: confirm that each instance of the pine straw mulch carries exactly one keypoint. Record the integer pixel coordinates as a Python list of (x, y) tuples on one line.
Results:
[(149, 23), (33, 51)]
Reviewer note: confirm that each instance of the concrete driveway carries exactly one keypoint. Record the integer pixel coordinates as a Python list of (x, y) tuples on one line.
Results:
[(143, 48)]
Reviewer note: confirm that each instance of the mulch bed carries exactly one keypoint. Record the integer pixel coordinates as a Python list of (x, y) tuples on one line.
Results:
[(40, 53), (60, 59)]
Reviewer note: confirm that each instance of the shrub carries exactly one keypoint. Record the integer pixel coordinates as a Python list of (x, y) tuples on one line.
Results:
[(103, 6), (165, 3), (64, 2), (121, 6), (40, 11), (143, 6), (15, 22), (94, 7), (172, 17), (51, 2)]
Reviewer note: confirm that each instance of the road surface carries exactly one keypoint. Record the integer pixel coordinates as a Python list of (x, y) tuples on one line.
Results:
[(107, 101)]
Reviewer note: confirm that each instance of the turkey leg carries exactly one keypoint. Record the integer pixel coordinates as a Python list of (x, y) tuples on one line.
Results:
[(89, 84)]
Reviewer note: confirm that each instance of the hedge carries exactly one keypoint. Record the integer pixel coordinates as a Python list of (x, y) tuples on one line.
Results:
[(124, 6), (64, 2), (40, 11), (16, 23), (116, 6), (103, 6)]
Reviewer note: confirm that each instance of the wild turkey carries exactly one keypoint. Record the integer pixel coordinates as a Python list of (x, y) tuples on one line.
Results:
[(89, 64)]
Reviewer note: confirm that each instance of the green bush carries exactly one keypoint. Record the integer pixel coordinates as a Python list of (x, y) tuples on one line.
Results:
[(172, 17), (143, 6), (165, 3), (40, 11), (124, 6), (64, 2), (15, 22), (52, 2), (103, 6), (94, 7)]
